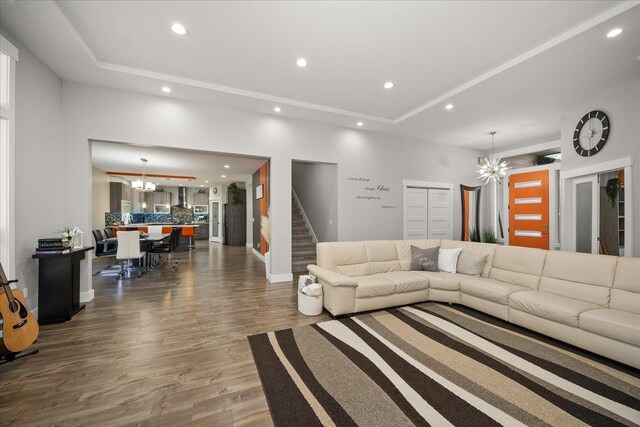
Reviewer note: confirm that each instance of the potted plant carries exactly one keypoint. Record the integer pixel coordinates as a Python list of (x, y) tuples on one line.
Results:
[(488, 236), (474, 235), (235, 191), (614, 185)]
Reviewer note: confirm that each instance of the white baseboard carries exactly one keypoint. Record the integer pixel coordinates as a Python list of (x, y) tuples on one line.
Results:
[(86, 296), (280, 278), (258, 254)]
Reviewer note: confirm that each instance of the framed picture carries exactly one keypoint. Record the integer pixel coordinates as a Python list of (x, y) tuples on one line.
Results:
[(259, 189)]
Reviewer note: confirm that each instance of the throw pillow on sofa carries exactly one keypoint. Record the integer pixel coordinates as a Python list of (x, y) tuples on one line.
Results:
[(424, 259), (447, 259), (470, 263)]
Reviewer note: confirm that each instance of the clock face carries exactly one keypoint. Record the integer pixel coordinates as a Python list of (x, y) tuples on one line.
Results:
[(591, 133)]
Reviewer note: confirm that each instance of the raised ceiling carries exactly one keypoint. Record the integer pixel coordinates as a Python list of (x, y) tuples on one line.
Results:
[(205, 166), (515, 67)]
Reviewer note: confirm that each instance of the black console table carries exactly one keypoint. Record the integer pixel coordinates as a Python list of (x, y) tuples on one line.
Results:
[(59, 285)]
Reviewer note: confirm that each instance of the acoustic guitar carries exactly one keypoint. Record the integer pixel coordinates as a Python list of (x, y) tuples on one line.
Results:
[(19, 327)]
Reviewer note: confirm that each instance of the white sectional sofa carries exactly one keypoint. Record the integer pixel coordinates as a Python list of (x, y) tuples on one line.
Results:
[(590, 301)]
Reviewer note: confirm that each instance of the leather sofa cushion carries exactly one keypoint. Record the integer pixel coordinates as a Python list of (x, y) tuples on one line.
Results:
[(489, 289), (589, 269), (625, 294), (354, 270), (476, 248), (406, 281), (580, 291), (518, 266), (330, 255), (373, 286), (442, 280), (403, 249), (382, 256), (550, 306), (615, 324)]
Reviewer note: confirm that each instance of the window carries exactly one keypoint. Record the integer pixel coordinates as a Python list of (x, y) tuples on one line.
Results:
[(8, 58)]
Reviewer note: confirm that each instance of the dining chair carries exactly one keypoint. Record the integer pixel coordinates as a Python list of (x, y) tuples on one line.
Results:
[(102, 245), (169, 247), (128, 250), (155, 229)]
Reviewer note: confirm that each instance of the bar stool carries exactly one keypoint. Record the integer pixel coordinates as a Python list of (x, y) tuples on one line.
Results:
[(190, 233)]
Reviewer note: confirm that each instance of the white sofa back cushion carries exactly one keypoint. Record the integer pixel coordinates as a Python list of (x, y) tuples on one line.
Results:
[(476, 247), (382, 256), (403, 248), (625, 294), (584, 277), (348, 258), (518, 266)]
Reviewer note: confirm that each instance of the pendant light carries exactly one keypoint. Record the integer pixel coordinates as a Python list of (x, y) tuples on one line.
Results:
[(142, 184), (492, 168)]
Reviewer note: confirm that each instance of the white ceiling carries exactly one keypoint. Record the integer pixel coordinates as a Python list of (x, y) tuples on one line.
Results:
[(515, 67), (205, 166)]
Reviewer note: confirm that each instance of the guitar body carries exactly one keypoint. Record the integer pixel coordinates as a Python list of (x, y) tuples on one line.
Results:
[(19, 328)]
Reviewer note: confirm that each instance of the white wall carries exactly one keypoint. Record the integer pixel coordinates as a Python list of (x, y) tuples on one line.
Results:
[(622, 106), (41, 203), (100, 190), (105, 114), (99, 113), (316, 187)]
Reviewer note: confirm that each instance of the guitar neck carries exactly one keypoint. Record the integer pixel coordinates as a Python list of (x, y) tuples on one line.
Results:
[(5, 285)]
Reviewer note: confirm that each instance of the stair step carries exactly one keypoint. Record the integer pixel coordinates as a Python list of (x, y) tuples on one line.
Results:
[(298, 223), (303, 246), (297, 217), (299, 230), (311, 256), (301, 239), (300, 266)]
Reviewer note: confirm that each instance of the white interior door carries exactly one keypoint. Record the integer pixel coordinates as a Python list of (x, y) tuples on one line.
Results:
[(415, 211), (214, 221), (439, 214), (586, 207)]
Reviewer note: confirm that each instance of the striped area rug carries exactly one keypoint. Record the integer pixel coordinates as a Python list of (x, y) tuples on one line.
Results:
[(434, 364)]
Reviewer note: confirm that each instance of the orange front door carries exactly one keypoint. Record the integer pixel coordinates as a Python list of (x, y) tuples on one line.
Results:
[(529, 209)]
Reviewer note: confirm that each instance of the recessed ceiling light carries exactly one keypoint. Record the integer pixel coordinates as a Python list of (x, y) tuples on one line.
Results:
[(359, 124), (166, 89), (277, 109), (449, 107), (179, 185), (301, 62), (227, 166), (201, 185), (614, 32), (388, 85), (206, 182), (223, 176), (179, 29)]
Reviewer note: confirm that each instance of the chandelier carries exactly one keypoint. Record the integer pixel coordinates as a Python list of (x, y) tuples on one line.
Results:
[(492, 168), (142, 184)]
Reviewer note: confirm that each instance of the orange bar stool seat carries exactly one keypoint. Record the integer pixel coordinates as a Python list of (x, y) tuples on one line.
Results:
[(190, 232)]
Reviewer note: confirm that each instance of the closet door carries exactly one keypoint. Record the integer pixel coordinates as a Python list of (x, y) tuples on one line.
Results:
[(415, 211), (439, 214)]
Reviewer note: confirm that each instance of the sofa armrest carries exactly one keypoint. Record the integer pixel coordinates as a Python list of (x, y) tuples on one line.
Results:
[(331, 277)]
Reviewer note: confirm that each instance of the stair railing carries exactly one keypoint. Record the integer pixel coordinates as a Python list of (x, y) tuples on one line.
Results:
[(314, 239)]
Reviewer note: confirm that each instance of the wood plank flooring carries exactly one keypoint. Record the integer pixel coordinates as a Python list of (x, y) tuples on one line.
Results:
[(168, 348)]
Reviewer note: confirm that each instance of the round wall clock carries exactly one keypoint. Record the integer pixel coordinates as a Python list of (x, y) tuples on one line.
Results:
[(591, 133), (215, 190)]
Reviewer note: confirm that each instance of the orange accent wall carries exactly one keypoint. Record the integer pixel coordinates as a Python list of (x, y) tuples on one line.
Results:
[(264, 202)]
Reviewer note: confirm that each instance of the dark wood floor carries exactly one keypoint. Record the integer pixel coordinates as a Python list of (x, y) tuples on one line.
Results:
[(169, 348)]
